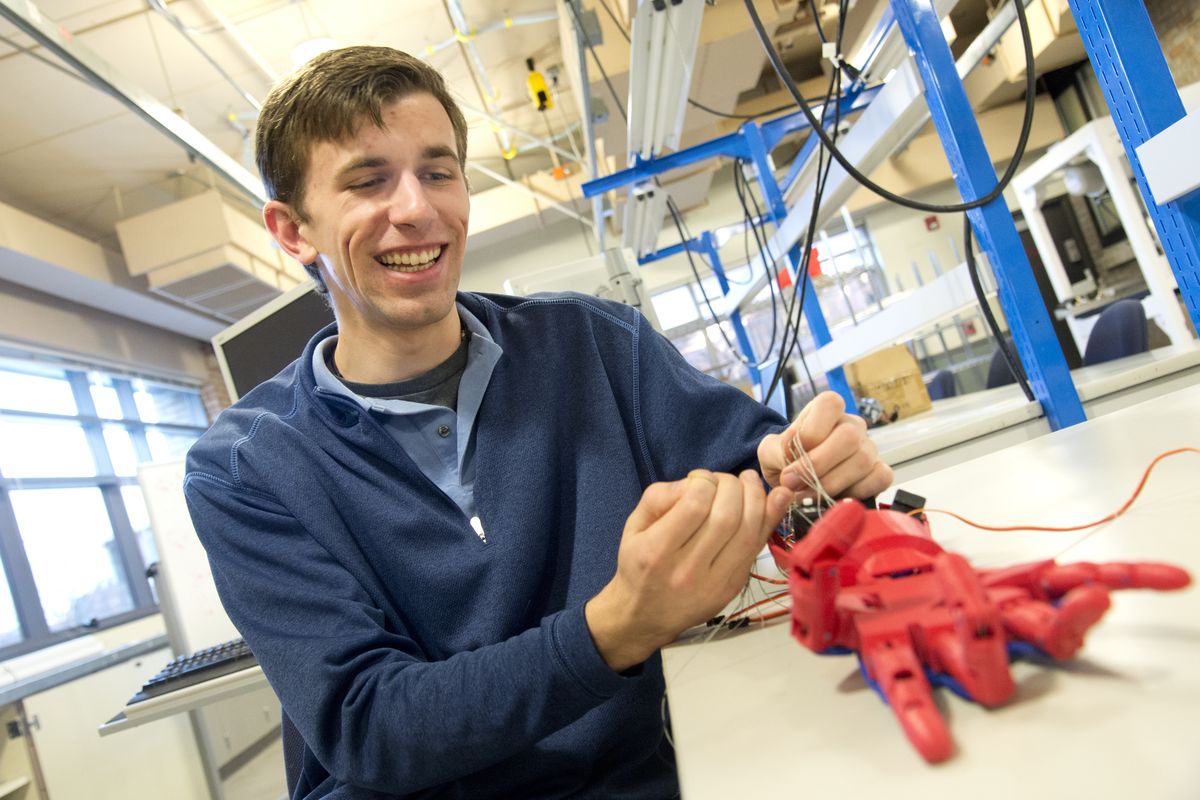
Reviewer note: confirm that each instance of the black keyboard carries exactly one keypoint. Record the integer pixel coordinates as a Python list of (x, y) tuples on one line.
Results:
[(202, 665)]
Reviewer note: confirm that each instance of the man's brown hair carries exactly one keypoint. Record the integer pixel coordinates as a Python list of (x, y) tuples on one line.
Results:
[(326, 100)]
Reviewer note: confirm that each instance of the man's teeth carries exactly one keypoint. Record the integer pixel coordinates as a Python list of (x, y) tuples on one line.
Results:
[(410, 262)]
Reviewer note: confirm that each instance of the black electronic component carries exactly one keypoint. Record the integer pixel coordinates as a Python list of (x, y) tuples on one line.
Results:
[(802, 516), (905, 502), (188, 670)]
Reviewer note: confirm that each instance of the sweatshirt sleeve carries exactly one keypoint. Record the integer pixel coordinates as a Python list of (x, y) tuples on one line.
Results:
[(692, 420), (374, 711)]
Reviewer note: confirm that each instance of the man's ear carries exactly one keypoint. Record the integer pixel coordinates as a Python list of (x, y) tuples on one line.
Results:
[(284, 224)]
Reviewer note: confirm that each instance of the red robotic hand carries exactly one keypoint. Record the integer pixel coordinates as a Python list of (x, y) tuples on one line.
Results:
[(875, 582)]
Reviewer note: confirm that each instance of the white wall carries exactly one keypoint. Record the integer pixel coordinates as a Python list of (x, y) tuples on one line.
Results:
[(32, 317)]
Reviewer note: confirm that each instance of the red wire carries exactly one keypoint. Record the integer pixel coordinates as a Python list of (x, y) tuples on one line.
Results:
[(765, 579), (1110, 517), (744, 609)]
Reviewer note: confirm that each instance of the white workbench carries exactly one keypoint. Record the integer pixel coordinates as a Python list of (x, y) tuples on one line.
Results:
[(971, 425), (757, 715)]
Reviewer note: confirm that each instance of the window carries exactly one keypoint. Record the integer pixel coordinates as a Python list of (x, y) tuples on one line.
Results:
[(849, 289), (75, 537)]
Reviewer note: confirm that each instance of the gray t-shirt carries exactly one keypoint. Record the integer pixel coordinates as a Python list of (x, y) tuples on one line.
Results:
[(438, 387)]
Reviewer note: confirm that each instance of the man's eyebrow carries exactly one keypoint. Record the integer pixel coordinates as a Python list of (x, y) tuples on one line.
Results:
[(437, 151), (363, 162)]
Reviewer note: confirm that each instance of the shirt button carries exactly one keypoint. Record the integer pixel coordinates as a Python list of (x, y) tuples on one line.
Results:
[(443, 431)]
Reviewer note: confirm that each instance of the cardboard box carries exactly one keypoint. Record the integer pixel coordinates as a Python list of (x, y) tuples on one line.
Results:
[(892, 377)]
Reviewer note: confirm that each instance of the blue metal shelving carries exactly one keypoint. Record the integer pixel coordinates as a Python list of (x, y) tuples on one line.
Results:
[(1144, 101), (1033, 332)]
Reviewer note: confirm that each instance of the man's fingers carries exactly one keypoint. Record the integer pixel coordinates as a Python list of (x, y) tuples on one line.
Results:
[(845, 441), (746, 534), (660, 498), (877, 480), (691, 509), (723, 522), (819, 419), (762, 512), (776, 506), (656, 500)]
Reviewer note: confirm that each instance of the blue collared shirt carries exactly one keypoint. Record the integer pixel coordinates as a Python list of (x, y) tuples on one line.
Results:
[(439, 440)]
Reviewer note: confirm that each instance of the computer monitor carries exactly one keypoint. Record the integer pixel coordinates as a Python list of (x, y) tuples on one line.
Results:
[(255, 348)]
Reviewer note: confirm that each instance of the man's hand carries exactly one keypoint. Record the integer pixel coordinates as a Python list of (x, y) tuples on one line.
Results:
[(686, 551), (845, 458)]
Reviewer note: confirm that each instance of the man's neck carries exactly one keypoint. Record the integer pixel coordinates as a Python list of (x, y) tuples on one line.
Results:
[(374, 357)]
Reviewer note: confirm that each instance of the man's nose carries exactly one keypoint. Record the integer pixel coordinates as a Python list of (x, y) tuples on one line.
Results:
[(409, 204)]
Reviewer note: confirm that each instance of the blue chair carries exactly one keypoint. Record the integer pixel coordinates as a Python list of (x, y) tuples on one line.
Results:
[(1120, 331), (998, 372), (941, 385)]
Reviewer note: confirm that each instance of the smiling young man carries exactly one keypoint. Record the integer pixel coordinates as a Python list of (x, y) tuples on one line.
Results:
[(458, 528)]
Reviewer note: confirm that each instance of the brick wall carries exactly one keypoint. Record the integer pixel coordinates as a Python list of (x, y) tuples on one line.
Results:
[(213, 392), (1177, 23)]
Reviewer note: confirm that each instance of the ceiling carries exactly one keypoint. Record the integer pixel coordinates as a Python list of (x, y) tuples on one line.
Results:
[(74, 157)]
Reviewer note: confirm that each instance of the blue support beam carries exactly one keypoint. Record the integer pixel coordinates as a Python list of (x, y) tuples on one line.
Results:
[(731, 145), (752, 143), (1033, 333), (708, 247), (777, 211), (1144, 101), (856, 98)]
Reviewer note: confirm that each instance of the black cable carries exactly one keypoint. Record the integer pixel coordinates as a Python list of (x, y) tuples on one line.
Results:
[(715, 113), (985, 307), (1014, 163), (851, 71), (800, 291), (675, 214), (696, 272), (620, 28), (1002, 183), (587, 41), (772, 275), (816, 15), (764, 246), (789, 308), (694, 103)]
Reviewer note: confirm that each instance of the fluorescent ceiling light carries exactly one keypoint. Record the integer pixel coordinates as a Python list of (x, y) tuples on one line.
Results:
[(663, 53)]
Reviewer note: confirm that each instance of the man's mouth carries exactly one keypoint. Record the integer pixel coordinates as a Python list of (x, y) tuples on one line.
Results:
[(412, 261)]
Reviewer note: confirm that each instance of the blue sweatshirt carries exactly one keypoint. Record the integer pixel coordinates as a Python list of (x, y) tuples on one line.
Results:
[(416, 659)]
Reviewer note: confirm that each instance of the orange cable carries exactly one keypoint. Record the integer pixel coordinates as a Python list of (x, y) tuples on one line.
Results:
[(744, 609), (765, 579), (1110, 517)]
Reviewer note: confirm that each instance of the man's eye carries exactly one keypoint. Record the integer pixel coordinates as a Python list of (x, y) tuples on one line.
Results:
[(439, 176), (367, 184)]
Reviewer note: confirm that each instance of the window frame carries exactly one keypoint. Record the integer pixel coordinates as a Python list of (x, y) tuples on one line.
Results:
[(30, 615)]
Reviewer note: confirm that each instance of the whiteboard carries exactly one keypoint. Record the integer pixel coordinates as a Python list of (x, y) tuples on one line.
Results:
[(186, 592), (195, 619)]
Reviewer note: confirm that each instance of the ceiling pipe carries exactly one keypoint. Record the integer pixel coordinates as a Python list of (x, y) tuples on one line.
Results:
[(79, 57), (504, 24), (535, 194), (267, 70), (466, 38), (589, 123), (184, 31), (524, 134)]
